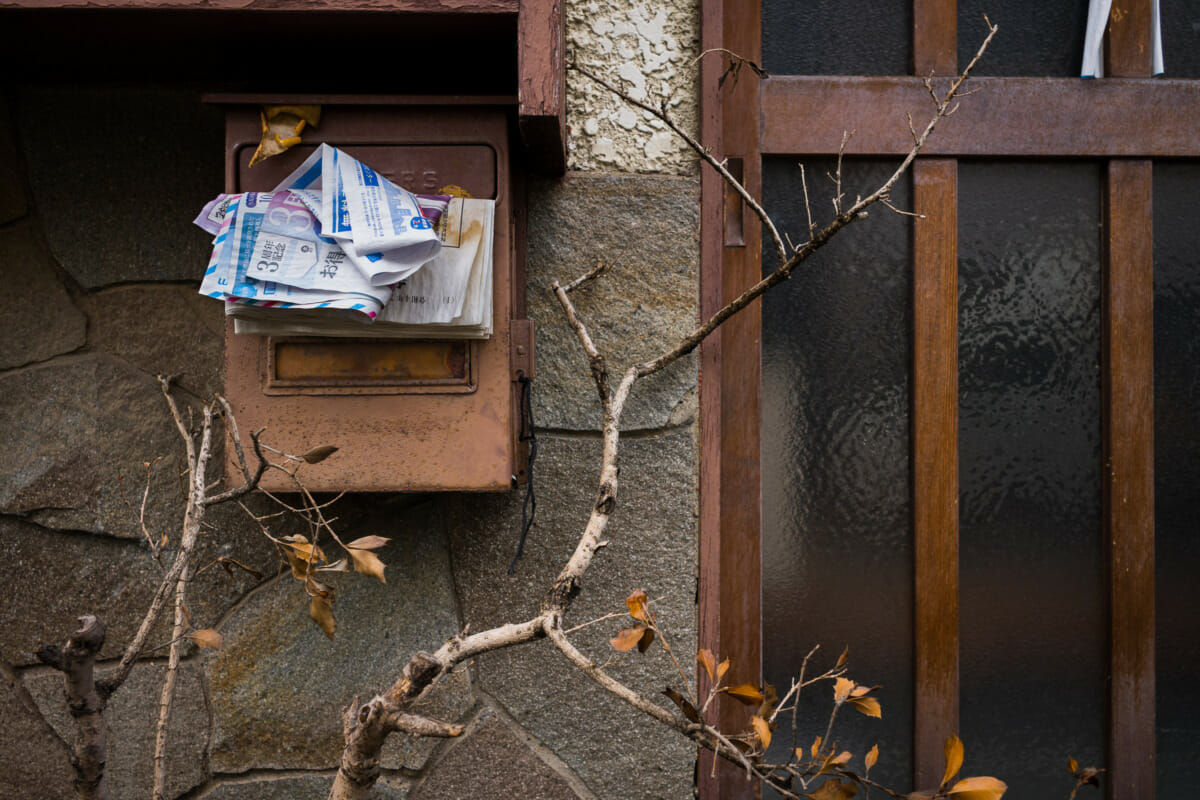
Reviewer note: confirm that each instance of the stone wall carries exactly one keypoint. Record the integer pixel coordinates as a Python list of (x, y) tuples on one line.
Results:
[(100, 267)]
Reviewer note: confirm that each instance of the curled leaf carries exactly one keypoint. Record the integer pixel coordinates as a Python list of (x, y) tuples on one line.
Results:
[(982, 788), (867, 705), (954, 758), (281, 128), (841, 758), (368, 563), (746, 693), (627, 639), (708, 661), (321, 611), (816, 746), (684, 704), (207, 638), (369, 542), (841, 662), (637, 602), (646, 640), (841, 689), (872, 757), (1072, 765), (319, 454), (762, 729), (722, 668)]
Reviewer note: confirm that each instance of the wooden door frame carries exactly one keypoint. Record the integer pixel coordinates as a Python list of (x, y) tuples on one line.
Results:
[(1125, 120)]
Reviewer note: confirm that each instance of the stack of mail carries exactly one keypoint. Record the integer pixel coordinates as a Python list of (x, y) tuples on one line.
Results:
[(338, 250)]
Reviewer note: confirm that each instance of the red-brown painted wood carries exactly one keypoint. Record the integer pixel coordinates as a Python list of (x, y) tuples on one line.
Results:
[(935, 37), (1129, 479), (730, 560), (935, 462), (541, 85), (1130, 44), (1006, 117)]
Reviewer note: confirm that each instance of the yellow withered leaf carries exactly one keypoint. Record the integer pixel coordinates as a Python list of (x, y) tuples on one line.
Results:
[(368, 563), (867, 705), (746, 693), (321, 611), (369, 542), (637, 605), (954, 758), (708, 661), (762, 730), (841, 689), (872, 757), (982, 788), (627, 639), (207, 638)]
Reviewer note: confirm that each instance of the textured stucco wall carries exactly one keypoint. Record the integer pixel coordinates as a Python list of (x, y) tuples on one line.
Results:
[(99, 267)]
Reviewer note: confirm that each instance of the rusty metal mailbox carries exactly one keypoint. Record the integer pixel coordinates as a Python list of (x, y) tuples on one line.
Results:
[(406, 415)]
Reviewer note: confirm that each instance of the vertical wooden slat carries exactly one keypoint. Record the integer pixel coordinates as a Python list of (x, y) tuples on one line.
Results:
[(935, 37), (935, 418), (1129, 432), (935, 462), (1129, 479), (730, 560)]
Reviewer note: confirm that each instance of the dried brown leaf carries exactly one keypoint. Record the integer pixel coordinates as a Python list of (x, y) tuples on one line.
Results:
[(627, 639), (637, 602), (982, 788), (816, 746), (708, 661), (841, 662), (319, 454), (867, 705), (770, 700), (954, 758), (841, 689), (833, 789), (369, 542), (762, 729), (841, 758), (684, 704), (368, 563), (207, 638), (722, 668), (646, 640), (872, 757), (746, 693), (321, 611), (1072, 765)]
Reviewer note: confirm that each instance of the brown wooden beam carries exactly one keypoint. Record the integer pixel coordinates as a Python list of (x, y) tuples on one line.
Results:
[(1006, 117), (935, 462), (935, 37), (541, 85), (1129, 479), (1130, 40), (730, 550)]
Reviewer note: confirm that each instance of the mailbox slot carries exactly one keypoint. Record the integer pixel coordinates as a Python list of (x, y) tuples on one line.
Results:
[(406, 415)]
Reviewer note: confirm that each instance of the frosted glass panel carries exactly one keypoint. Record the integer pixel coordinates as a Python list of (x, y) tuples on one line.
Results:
[(1032, 587), (1177, 475), (837, 554), (1039, 38), (835, 37)]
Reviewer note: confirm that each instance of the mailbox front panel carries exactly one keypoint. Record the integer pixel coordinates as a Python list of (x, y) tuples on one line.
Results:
[(406, 415)]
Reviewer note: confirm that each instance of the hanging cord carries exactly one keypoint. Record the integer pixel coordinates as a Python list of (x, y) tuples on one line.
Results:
[(529, 507)]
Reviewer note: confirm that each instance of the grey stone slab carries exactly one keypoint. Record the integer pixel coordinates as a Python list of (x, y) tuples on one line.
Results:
[(492, 762), (117, 194), (651, 546), (132, 719), (64, 575), (34, 762), (39, 320), (279, 685), (162, 330), (314, 786), (13, 203), (647, 228), (79, 431)]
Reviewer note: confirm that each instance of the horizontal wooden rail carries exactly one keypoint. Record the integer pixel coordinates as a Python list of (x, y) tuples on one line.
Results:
[(1056, 117)]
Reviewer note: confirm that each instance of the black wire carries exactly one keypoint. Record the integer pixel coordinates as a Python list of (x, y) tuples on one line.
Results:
[(529, 507)]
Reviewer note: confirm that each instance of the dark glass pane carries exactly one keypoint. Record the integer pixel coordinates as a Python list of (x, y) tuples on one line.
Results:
[(1036, 37), (1177, 475), (833, 37), (837, 554), (1181, 39), (1032, 590)]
